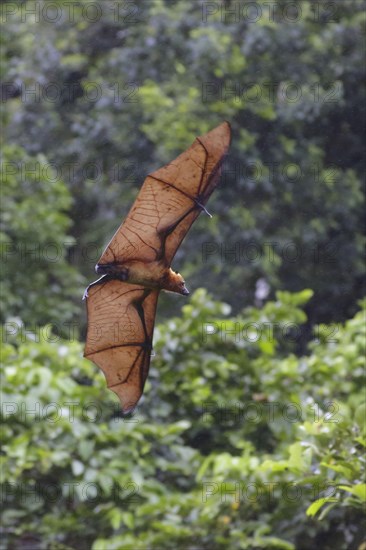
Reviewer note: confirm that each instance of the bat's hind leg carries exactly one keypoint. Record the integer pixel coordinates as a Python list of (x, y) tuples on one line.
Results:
[(116, 271), (102, 279), (110, 273)]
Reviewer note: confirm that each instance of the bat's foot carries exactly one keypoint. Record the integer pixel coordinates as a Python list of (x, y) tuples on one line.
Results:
[(102, 279), (103, 269)]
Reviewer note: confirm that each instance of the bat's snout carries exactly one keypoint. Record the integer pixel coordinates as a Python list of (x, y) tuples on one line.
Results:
[(185, 291)]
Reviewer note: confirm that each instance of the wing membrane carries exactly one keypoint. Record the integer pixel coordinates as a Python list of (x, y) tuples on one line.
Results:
[(119, 339), (170, 200)]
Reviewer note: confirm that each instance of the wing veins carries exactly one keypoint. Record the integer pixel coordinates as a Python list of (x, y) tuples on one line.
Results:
[(170, 229), (124, 293), (131, 345), (125, 381), (174, 187), (204, 167), (142, 240)]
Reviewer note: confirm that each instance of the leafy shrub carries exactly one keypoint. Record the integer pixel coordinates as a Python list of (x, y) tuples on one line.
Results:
[(237, 443), (38, 283)]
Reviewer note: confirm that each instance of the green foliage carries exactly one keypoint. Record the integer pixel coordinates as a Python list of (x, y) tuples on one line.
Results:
[(38, 284), (237, 443), (246, 436)]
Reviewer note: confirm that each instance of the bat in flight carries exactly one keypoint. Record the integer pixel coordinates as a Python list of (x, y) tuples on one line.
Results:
[(135, 265)]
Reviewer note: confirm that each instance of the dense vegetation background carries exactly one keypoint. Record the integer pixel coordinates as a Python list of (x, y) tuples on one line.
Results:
[(251, 431)]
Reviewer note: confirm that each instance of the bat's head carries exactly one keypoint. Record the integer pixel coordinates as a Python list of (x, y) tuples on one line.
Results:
[(176, 283)]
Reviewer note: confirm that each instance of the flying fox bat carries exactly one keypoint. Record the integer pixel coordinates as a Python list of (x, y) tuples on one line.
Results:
[(135, 265)]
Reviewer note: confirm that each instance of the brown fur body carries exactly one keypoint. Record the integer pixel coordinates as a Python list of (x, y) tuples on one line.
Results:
[(156, 276)]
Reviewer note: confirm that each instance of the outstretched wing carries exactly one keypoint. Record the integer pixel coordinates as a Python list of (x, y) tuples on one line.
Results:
[(119, 340), (169, 201)]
